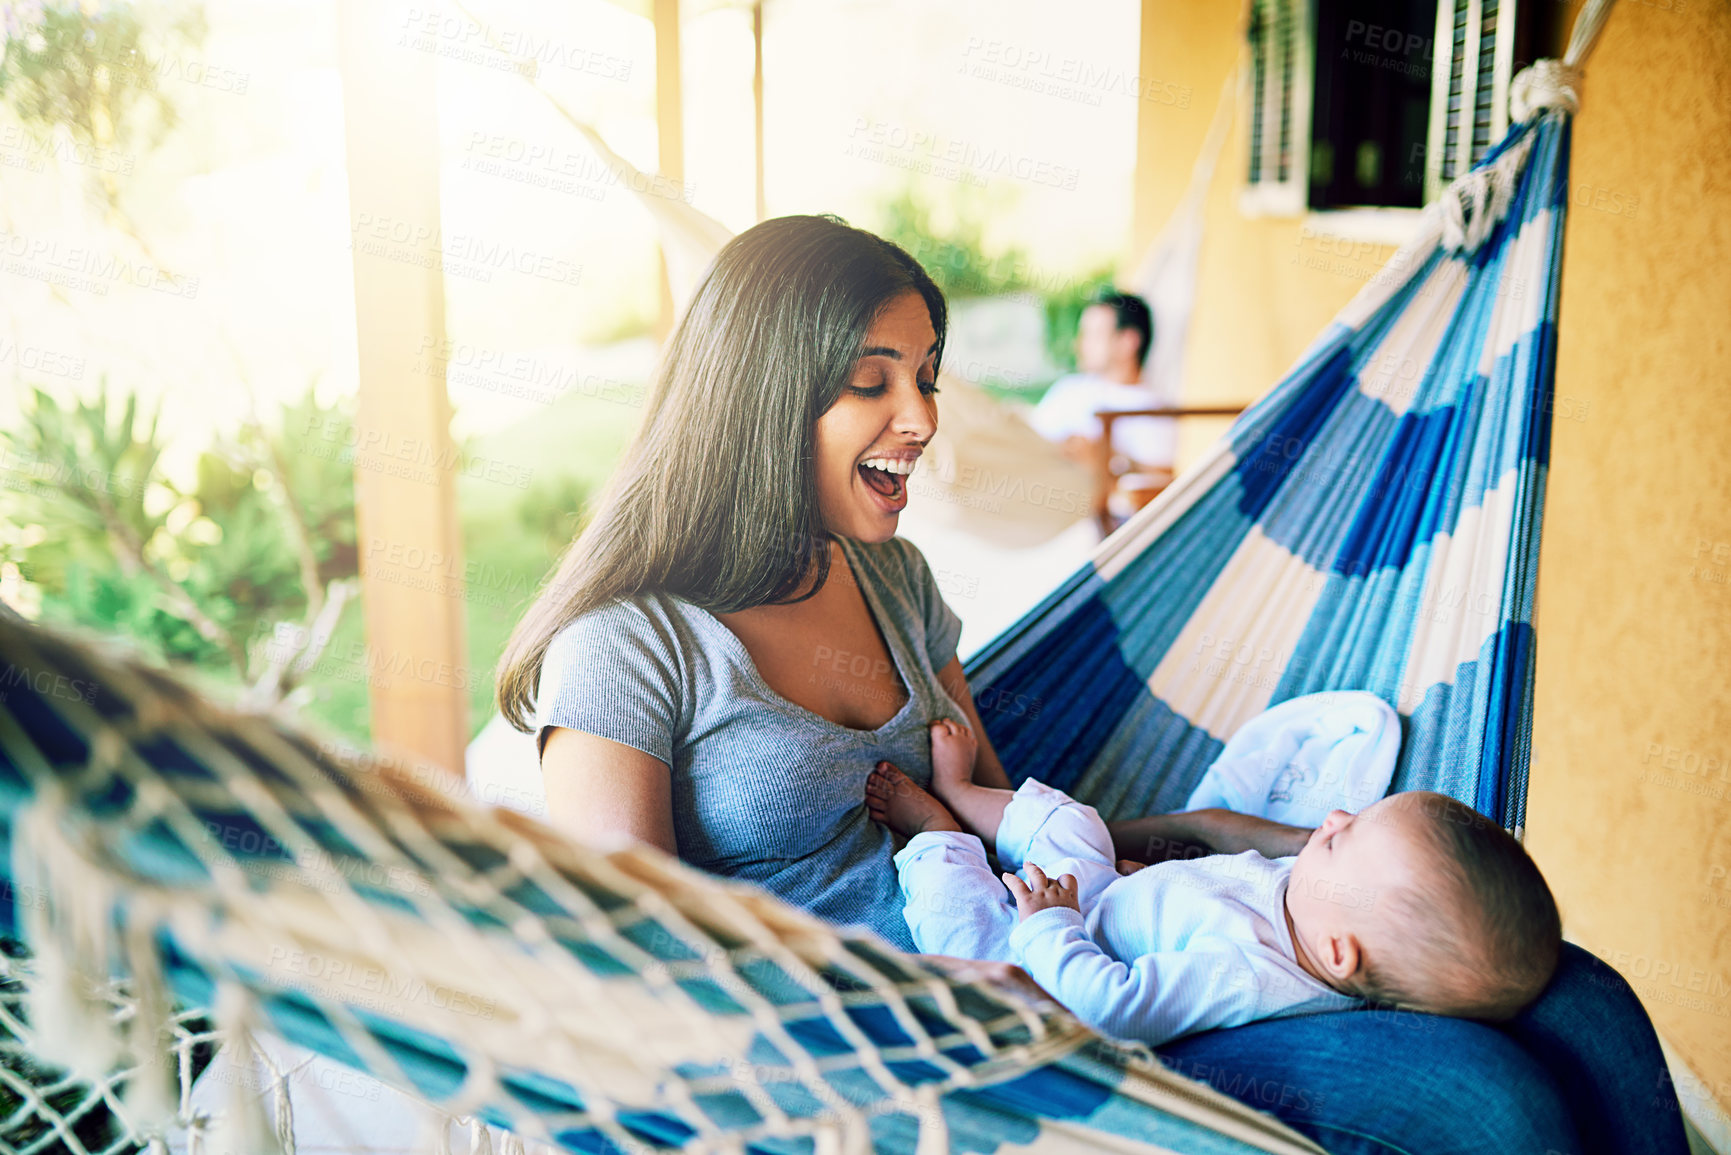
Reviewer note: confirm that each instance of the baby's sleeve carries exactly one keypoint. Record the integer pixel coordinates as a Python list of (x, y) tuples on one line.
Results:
[(614, 672), (943, 629), (1154, 999)]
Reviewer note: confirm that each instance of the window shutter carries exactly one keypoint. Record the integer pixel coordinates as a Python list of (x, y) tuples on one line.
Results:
[(1471, 70), (1281, 64)]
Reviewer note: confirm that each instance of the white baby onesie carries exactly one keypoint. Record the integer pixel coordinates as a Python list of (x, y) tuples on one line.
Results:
[(1180, 947)]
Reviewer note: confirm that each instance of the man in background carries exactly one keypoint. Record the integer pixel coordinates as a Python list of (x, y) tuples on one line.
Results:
[(1112, 343)]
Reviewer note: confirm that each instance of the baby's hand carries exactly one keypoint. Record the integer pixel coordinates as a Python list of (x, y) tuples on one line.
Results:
[(1039, 892)]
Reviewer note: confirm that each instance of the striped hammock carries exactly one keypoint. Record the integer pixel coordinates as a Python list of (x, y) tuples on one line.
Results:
[(1372, 524)]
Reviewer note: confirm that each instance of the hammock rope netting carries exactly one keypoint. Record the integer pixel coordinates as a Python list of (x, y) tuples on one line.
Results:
[(1366, 526), (230, 863)]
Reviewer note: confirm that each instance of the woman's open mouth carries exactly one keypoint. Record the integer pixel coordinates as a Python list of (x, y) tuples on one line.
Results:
[(887, 481)]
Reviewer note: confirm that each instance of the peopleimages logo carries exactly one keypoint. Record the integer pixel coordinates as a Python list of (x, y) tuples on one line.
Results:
[(38, 359), (375, 980), (64, 150), (86, 269), (956, 157), (459, 37), (521, 375), (45, 683), (460, 254), (581, 173), (381, 448), (1065, 77)]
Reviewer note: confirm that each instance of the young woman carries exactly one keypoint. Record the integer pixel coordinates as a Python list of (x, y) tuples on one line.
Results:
[(738, 638)]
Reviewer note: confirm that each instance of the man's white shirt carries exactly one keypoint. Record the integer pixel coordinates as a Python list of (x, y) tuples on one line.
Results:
[(1068, 409)]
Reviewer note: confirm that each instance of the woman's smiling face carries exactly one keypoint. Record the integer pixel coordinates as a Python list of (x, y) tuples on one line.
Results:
[(886, 414)]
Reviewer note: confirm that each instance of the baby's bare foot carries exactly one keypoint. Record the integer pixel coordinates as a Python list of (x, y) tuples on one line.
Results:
[(953, 750), (897, 801)]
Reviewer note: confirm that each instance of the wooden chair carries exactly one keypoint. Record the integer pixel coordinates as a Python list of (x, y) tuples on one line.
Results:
[(1114, 472)]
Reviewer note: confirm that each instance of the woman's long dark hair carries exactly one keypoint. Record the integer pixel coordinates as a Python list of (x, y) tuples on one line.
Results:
[(715, 500)]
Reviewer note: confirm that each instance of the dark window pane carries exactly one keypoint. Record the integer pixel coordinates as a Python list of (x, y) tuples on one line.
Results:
[(1371, 106)]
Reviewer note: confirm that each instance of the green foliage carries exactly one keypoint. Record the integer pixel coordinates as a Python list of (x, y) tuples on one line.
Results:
[(570, 449), (92, 69), (553, 510), (227, 544), (308, 454), (956, 258), (76, 476), (1064, 312), (196, 574), (511, 540), (958, 263)]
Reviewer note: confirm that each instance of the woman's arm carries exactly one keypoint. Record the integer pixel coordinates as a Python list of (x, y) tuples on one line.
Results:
[(988, 771), (598, 788)]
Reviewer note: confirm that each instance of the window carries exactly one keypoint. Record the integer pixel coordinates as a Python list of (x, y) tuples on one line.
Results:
[(1280, 48), (1371, 107), (1479, 42), (1374, 103)]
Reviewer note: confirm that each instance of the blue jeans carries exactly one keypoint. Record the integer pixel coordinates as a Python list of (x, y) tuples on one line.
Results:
[(1577, 1073)]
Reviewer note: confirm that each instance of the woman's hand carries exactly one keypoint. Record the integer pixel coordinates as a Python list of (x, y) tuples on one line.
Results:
[(1042, 893)]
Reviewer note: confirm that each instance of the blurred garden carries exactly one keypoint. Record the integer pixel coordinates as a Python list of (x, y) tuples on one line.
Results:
[(324, 325), (178, 446)]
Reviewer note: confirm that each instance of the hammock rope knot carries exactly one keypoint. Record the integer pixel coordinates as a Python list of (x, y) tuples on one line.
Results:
[(1472, 205), (1542, 85)]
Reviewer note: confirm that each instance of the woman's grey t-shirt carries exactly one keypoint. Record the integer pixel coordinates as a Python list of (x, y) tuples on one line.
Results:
[(763, 789)]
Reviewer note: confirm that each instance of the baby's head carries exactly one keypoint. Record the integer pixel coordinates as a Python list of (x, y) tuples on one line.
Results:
[(1421, 902)]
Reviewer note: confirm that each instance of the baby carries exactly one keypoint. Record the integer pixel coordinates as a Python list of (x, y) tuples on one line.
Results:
[(1417, 901)]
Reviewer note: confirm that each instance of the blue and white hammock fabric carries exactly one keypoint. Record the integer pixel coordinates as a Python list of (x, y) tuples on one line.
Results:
[(1371, 524), (590, 1001), (1362, 528)]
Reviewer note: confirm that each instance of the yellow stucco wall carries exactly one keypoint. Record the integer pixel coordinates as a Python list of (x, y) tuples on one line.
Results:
[(1265, 286), (1629, 811)]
